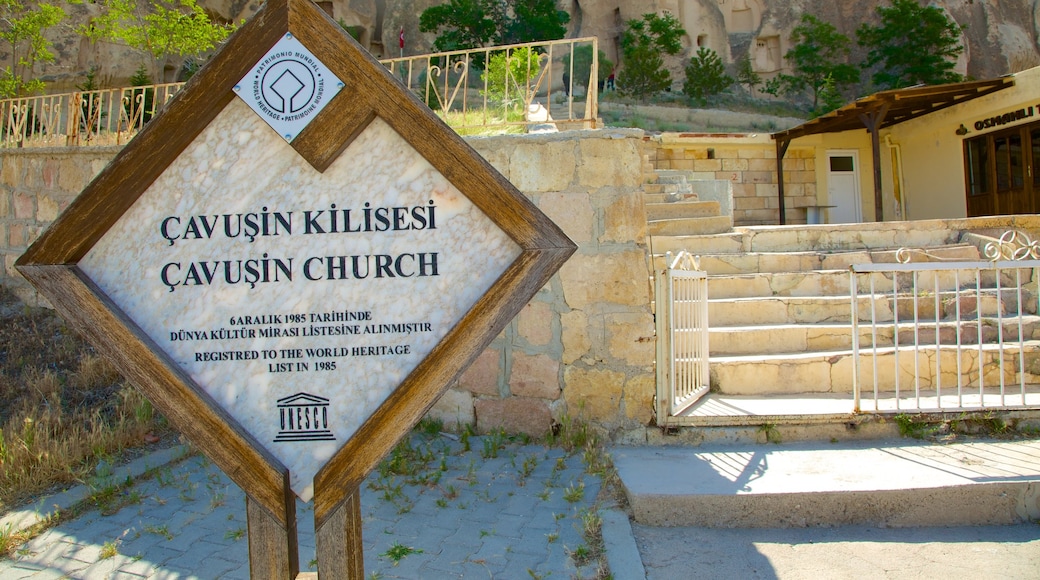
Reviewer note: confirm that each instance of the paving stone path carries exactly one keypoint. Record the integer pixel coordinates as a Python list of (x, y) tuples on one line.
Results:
[(441, 508)]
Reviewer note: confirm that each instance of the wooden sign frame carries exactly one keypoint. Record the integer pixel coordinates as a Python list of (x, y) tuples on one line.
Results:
[(51, 264)]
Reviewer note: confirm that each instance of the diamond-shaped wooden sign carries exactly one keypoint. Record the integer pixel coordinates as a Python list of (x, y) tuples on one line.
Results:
[(294, 260)]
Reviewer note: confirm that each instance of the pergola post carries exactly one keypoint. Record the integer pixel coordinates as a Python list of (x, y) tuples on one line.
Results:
[(781, 150)]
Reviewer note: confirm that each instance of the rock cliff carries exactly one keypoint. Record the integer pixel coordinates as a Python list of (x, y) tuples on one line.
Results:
[(1000, 36)]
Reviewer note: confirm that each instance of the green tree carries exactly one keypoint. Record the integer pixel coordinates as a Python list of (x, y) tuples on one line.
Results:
[(509, 75), (459, 24), (746, 74), (705, 76), (583, 66), (912, 45), (817, 58), (162, 29), (642, 45), (22, 27), (462, 24)]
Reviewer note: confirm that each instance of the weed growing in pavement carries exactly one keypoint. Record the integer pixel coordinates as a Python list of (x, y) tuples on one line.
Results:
[(574, 493), (109, 550), (770, 432), (398, 552), (235, 534), (493, 443), (162, 530)]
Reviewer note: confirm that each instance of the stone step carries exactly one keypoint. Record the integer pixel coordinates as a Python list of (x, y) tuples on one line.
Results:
[(723, 242), (682, 209), (878, 483), (824, 337), (726, 263), (814, 307), (651, 188), (690, 226), (832, 371), (649, 198)]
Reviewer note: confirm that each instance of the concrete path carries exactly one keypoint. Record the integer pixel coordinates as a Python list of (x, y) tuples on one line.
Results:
[(497, 510), (845, 553)]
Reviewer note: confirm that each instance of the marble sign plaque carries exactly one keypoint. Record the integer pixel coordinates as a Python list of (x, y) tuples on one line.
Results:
[(298, 299)]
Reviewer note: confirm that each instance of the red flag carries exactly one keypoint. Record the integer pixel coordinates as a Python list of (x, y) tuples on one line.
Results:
[(400, 38)]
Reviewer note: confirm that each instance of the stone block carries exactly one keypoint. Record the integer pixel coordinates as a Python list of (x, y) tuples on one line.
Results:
[(683, 164), (755, 153), (624, 220), (608, 162), (50, 172), (514, 415), (707, 165), (24, 208), (534, 323), (498, 157), (573, 212), (454, 409), (18, 235), (47, 209), (631, 338), (759, 177), (762, 164), (10, 172), (576, 341), (538, 167), (695, 154), (770, 190), (639, 398), (620, 278), (481, 378), (734, 164), (535, 376), (593, 394), (793, 164)]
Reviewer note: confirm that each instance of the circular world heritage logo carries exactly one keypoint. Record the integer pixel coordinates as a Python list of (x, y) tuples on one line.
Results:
[(288, 86)]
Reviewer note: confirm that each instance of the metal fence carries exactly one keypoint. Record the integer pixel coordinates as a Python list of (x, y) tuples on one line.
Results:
[(542, 84), (682, 335), (103, 117), (947, 336), (519, 85)]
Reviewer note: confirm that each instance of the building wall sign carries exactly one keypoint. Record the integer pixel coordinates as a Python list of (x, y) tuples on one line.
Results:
[(293, 261), (1004, 119)]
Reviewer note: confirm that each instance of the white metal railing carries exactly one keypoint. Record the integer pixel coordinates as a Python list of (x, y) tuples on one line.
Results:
[(558, 84), (102, 117), (948, 336), (682, 335)]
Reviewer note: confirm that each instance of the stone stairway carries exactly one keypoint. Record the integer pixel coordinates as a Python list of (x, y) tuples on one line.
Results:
[(779, 306)]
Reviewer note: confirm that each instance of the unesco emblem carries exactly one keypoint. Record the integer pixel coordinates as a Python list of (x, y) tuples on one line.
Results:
[(288, 87), (303, 417)]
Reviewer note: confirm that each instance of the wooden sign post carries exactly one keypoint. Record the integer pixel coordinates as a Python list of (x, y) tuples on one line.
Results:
[(293, 261)]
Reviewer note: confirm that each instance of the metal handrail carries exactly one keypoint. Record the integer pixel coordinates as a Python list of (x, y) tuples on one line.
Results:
[(543, 95)]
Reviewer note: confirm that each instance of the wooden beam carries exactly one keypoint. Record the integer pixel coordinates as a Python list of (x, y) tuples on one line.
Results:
[(873, 120), (781, 150)]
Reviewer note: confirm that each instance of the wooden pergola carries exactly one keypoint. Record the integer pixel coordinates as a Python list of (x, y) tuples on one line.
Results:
[(878, 111)]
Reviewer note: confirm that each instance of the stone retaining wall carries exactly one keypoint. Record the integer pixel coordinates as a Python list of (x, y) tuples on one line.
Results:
[(584, 347), (749, 163)]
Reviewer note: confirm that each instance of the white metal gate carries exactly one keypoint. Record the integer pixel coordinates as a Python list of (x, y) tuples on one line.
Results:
[(947, 336), (682, 335)]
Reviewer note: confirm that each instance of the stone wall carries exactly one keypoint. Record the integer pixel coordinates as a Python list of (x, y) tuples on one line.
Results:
[(749, 163), (584, 347)]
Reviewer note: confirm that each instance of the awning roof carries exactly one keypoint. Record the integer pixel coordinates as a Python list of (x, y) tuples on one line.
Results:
[(878, 111), (902, 105)]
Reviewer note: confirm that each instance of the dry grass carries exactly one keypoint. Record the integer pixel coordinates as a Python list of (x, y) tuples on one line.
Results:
[(61, 406)]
